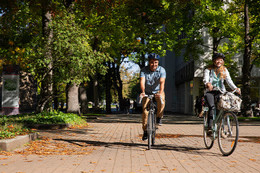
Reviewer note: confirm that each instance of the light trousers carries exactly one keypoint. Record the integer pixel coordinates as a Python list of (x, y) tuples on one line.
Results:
[(145, 111)]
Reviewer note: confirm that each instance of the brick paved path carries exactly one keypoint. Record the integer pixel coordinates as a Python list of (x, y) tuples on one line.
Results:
[(118, 148)]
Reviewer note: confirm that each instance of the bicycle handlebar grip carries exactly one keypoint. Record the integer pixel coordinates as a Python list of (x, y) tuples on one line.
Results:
[(140, 100)]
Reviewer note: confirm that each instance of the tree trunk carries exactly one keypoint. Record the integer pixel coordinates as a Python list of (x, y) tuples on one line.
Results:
[(55, 99), (83, 99), (246, 109), (95, 92), (73, 99), (118, 84), (46, 84), (108, 89)]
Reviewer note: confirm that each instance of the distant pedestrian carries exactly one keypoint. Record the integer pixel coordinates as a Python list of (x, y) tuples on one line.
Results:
[(198, 106)]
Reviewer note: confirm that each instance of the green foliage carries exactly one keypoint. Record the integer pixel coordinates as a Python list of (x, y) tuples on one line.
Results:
[(134, 88), (73, 57), (12, 130), (14, 125), (53, 117)]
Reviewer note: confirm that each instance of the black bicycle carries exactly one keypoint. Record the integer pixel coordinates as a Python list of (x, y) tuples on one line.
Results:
[(151, 121)]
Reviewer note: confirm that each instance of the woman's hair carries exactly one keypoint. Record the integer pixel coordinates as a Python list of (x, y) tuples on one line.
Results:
[(220, 70)]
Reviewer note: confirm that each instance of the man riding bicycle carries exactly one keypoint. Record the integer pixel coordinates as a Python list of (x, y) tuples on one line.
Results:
[(152, 81)]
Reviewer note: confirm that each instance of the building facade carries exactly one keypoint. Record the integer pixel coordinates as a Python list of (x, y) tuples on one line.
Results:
[(184, 79)]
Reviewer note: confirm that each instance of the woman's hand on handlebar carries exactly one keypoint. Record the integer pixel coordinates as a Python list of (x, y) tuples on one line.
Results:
[(238, 91), (209, 86)]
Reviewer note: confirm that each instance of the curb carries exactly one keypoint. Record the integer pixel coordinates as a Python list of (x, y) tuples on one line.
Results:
[(18, 141)]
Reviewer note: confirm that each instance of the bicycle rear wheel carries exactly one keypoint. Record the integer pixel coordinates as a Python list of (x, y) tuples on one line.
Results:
[(228, 133), (208, 139)]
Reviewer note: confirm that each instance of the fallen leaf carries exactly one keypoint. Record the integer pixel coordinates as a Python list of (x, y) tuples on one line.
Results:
[(3, 158), (254, 160)]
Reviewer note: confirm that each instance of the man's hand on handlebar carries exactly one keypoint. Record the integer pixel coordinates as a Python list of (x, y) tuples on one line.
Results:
[(157, 95), (142, 95)]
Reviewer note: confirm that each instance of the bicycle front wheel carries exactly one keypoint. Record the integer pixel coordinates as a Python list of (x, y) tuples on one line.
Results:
[(208, 138), (228, 133), (149, 130)]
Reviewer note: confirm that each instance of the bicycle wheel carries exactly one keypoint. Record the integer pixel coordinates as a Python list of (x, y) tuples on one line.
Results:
[(208, 139), (153, 139), (149, 130), (153, 128), (228, 133)]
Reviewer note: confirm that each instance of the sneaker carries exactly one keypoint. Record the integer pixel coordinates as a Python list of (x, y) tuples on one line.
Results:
[(209, 132), (159, 121), (210, 124), (144, 136)]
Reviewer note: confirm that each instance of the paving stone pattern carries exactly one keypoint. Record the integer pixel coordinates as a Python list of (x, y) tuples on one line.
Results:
[(118, 148)]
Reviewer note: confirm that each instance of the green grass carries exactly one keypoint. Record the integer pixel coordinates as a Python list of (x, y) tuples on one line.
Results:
[(93, 114), (14, 125), (249, 118)]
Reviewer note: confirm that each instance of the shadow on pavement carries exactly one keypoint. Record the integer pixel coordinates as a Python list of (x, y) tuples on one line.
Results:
[(167, 119), (137, 118), (142, 146)]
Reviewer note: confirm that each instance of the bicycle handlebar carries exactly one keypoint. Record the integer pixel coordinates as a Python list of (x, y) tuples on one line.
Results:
[(150, 96), (217, 88)]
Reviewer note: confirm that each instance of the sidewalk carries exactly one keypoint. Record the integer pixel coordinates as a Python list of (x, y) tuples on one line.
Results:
[(113, 144)]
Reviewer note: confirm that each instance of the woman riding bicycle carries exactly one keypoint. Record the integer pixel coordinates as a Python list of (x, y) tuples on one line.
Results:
[(213, 79)]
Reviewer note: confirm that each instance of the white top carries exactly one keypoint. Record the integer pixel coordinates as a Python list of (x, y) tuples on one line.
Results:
[(208, 77)]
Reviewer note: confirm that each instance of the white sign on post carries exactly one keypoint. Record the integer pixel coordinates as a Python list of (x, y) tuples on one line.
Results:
[(10, 90)]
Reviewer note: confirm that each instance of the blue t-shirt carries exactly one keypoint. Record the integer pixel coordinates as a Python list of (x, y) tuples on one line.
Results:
[(152, 79)]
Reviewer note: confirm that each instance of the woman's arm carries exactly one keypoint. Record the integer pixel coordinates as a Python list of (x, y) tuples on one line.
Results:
[(206, 79), (206, 76), (230, 81)]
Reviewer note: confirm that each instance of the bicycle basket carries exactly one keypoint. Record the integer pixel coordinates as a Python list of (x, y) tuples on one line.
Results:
[(229, 102)]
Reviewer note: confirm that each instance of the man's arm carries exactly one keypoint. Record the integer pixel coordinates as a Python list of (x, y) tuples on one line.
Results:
[(162, 83), (142, 86)]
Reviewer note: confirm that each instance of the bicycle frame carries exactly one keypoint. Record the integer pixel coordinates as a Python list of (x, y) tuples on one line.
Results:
[(219, 117), (151, 121), (151, 115), (216, 121)]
